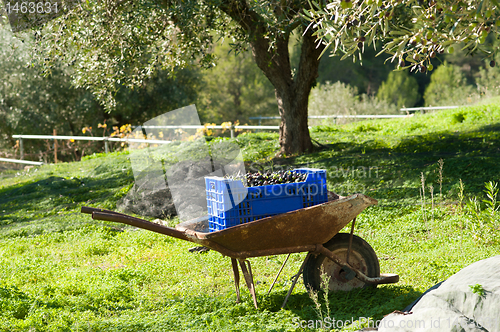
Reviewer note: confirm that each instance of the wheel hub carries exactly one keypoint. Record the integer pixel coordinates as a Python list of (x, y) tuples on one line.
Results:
[(341, 279)]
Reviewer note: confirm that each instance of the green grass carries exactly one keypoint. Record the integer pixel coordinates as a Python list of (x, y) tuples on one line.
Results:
[(62, 271)]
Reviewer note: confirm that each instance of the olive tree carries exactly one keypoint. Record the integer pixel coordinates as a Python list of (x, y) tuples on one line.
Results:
[(33, 104), (121, 43), (411, 31)]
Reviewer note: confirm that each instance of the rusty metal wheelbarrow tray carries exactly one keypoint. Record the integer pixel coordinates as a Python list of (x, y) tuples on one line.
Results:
[(281, 234), (295, 231), (304, 230)]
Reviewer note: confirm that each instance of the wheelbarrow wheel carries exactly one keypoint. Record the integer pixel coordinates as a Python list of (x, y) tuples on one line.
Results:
[(362, 257)]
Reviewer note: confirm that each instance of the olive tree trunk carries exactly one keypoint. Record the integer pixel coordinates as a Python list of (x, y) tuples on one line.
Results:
[(292, 90)]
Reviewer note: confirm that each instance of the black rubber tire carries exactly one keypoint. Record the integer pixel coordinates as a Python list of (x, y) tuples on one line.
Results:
[(362, 257)]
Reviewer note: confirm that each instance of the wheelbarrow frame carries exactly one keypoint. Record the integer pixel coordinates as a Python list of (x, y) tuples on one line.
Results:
[(303, 230)]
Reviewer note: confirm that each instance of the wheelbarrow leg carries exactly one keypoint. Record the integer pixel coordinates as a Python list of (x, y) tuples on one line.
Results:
[(279, 272), (236, 278), (247, 273), (295, 280)]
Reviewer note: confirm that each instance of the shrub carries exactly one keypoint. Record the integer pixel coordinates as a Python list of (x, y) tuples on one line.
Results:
[(400, 89), (448, 87), (488, 81), (341, 99)]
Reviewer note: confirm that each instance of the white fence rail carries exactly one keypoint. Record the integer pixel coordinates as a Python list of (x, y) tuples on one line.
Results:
[(17, 161), (231, 128), (385, 116), (335, 117), (430, 108), (84, 138), (211, 127), (116, 139)]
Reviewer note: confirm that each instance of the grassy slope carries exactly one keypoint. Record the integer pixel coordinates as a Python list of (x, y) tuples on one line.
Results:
[(60, 271)]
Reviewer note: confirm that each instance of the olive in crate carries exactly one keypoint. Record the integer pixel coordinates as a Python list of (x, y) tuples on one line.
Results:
[(258, 179)]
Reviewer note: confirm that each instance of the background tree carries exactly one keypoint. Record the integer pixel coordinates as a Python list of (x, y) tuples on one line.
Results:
[(488, 81), (341, 99), (158, 94), (367, 75), (33, 104), (400, 89), (448, 86)]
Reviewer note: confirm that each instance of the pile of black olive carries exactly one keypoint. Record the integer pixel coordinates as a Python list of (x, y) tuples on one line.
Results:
[(268, 178)]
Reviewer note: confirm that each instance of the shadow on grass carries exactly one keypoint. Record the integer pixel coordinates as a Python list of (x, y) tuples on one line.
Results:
[(39, 199), (366, 302), (386, 172)]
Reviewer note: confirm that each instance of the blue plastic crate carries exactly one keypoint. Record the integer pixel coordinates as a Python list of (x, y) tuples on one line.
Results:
[(230, 203)]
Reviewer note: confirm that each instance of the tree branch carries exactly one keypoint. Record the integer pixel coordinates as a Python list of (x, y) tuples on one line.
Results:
[(309, 59), (238, 10), (273, 63)]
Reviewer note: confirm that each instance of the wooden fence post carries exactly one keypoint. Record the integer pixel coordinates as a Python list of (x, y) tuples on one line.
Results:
[(55, 147), (21, 148)]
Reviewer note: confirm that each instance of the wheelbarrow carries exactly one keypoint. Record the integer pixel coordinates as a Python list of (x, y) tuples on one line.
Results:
[(348, 261)]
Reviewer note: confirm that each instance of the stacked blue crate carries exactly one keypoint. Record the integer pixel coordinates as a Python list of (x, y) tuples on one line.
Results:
[(230, 203)]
